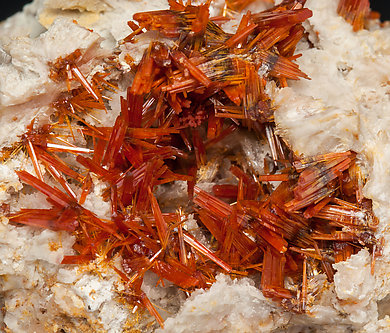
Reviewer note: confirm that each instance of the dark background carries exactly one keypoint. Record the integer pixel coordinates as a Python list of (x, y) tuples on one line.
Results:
[(382, 6), (12, 6)]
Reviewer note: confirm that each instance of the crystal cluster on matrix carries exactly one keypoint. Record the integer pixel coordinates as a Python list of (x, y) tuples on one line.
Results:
[(197, 85)]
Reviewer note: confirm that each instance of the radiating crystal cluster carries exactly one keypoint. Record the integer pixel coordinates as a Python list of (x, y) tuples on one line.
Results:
[(205, 166)]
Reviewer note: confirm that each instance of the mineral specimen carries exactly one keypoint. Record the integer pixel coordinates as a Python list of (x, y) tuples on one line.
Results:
[(213, 166)]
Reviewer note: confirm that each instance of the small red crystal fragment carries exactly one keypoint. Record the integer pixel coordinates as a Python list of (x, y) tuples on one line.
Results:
[(354, 12)]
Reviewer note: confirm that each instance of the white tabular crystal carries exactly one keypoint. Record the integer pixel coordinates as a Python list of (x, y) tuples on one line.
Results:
[(94, 291), (353, 279), (228, 306), (354, 285)]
